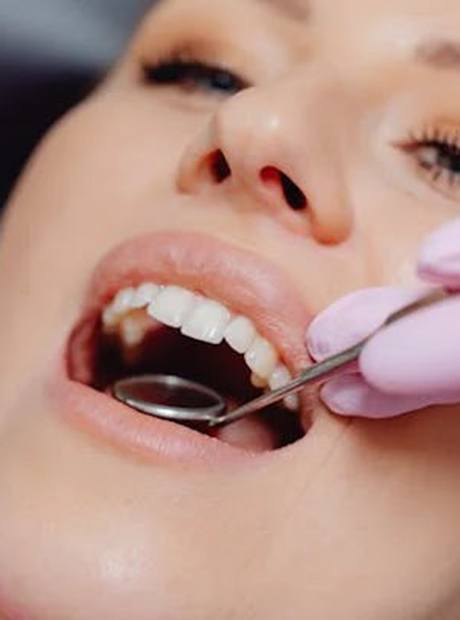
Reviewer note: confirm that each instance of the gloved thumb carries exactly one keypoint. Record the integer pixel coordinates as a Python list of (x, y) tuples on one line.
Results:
[(354, 317), (439, 258), (347, 322)]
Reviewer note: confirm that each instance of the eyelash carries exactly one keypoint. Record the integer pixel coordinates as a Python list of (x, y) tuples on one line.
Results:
[(442, 164), (193, 75)]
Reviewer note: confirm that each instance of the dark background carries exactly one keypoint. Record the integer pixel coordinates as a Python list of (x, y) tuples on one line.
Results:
[(51, 53)]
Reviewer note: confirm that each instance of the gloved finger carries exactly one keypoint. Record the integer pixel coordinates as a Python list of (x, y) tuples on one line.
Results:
[(350, 395), (354, 317), (439, 258), (420, 354)]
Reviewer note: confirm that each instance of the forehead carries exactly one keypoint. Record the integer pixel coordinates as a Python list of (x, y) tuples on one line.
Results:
[(301, 9), (400, 23), (394, 28)]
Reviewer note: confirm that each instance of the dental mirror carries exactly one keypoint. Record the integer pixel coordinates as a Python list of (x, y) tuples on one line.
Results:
[(171, 398), (181, 400)]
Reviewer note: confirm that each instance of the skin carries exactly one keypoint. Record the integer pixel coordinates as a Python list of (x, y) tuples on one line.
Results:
[(361, 519)]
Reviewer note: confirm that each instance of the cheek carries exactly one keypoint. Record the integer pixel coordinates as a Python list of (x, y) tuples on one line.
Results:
[(392, 223), (102, 160), (101, 165), (124, 535)]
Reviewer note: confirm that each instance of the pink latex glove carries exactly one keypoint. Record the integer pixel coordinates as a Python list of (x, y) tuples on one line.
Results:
[(408, 365)]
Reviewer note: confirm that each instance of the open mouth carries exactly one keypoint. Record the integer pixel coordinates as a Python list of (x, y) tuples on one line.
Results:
[(189, 305), (167, 329)]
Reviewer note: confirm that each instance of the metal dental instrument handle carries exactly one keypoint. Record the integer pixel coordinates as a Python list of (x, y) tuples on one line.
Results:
[(332, 366), (180, 400)]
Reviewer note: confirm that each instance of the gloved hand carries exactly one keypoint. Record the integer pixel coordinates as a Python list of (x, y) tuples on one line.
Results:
[(408, 365)]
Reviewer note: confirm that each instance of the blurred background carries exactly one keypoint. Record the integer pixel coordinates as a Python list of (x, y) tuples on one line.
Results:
[(51, 53)]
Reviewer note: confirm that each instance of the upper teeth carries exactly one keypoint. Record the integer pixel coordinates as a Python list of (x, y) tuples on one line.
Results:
[(199, 318)]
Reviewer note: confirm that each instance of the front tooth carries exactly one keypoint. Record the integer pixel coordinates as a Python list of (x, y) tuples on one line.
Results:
[(240, 334), (145, 294), (122, 301), (261, 358), (172, 306), (207, 322)]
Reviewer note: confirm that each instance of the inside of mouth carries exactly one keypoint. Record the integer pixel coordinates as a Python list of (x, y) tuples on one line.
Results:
[(100, 359)]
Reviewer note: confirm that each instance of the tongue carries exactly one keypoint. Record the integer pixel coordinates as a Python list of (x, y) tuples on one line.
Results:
[(250, 434)]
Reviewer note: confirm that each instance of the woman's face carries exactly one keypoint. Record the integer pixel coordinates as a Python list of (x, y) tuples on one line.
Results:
[(269, 156)]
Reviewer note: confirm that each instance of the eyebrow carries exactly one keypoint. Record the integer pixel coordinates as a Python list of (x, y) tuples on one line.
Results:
[(294, 9), (439, 53)]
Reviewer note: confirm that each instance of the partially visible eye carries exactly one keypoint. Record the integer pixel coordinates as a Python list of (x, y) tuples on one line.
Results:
[(194, 76), (438, 154)]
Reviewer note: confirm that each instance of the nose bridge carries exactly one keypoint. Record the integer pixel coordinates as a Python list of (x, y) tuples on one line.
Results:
[(283, 120), (245, 128), (255, 128), (287, 128)]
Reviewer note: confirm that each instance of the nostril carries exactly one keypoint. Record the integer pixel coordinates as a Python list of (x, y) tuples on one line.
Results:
[(292, 193), (219, 166), (294, 196)]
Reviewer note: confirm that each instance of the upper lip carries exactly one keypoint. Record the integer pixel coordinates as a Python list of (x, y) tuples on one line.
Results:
[(247, 284)]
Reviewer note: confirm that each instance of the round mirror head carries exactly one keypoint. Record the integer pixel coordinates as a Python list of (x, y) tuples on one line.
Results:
[(170, 398)]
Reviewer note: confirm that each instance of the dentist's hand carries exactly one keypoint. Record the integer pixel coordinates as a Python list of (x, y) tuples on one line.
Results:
[(410, 364)]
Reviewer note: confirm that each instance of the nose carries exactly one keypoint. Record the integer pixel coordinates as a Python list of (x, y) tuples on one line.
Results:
[(275, 149)]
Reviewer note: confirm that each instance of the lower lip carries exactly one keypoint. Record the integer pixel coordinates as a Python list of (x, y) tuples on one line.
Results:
[(142, 436)]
